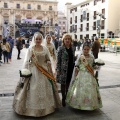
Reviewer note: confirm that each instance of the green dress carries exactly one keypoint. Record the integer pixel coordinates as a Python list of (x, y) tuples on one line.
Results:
[(84, 93)]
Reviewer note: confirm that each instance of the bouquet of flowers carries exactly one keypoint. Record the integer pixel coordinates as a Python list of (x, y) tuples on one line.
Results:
[(25, 73), (99, 62)]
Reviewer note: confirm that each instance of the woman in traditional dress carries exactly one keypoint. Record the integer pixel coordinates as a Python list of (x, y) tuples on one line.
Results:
[(65, 65), (41, 95), (83, 92), (52, 51)]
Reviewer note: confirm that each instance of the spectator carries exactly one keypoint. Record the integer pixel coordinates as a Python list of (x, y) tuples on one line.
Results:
[(55, 42), (19, 46), (11, 42)]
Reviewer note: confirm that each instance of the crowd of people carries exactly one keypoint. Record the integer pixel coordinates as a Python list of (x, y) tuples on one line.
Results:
[(53, 61)]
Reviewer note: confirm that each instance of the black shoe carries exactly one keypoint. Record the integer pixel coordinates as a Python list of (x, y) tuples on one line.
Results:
[(63, 103), (18, 58)]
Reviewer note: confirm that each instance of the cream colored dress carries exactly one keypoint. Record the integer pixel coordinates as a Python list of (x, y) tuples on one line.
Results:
[(40, 98)]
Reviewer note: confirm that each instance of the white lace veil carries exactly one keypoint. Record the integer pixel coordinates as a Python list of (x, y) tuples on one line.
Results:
[(45, 40), (28, 53), (37, 34)]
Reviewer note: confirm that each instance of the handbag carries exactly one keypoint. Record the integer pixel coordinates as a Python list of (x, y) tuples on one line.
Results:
[(25, 73)]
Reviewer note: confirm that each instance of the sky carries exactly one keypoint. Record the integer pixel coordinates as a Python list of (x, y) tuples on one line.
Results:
[(61, 3)]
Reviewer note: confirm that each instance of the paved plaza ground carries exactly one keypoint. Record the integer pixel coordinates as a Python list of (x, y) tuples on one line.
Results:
[(109, 80)]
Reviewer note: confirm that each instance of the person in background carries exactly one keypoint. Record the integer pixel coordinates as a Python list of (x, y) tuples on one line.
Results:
[(0, 53), (42, 96), (52, 50), (65, 65), (6, 49), (83, 93), (0, 49), (55, 42), (95, 50), (11, 42), (60, 42), (19, 46)]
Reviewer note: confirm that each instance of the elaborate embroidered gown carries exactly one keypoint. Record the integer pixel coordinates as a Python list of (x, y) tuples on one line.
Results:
[(40, 98), (84, 93), (52, 51)]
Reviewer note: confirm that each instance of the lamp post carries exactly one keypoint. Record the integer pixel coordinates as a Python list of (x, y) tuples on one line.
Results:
[(99, 24)]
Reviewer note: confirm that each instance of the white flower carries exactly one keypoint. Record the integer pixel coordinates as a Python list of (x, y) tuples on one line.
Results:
[(25, 72), (99, 61)]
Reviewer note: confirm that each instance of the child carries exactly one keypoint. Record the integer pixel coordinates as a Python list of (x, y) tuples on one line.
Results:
[(84, 93)]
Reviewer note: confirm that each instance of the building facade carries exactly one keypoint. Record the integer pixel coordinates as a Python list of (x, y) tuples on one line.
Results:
[(14, 11), (62, 22), (92, 18)]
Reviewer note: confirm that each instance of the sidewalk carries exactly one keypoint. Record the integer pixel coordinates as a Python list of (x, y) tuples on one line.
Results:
[(109, 88)]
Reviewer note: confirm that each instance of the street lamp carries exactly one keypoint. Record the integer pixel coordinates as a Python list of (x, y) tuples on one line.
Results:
[(99, 24)]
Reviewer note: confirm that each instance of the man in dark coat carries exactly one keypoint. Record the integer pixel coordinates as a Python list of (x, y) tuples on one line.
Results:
[(55, 41), (95, 48)]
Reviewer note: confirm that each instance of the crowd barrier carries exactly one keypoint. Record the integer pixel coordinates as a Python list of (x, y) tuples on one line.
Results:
[(110, 44)]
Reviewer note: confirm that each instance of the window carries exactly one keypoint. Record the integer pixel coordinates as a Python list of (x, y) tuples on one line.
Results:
[(81, 27), (29, 6), (102, 35), (17, 5), (103, 1), (70, 28), (75, 19), (50, 7), (63, 28), (87, 27), (75, 36), (103, 11), (94, 25), (87, 16), (39, 7), (102, 24), (95, 2), (71, 11), (81, 19), (94, 15), (71, 20), (87, 36), (75, 28), (6, 19), (75, 9), (5, 5), (63, 22), (81, 36)]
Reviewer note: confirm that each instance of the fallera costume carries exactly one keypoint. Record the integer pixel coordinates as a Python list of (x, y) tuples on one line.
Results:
[(52, 51), (41, 98), (83, 92)]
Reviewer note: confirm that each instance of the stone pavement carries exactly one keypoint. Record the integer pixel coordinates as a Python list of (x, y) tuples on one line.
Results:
[(109, 87)]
